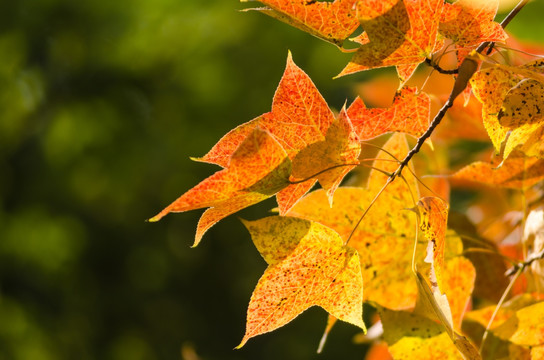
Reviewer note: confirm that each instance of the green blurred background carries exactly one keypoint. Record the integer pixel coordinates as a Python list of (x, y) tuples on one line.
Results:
[(101, 105)]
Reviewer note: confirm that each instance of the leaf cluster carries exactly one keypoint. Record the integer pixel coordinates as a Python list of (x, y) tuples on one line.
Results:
[(384, 237)]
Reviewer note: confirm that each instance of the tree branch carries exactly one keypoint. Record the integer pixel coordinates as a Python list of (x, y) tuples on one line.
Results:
[(465, 72), (522, 265), (439, 69)]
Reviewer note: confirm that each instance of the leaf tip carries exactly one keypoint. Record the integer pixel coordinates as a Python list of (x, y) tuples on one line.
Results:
[(242, 343), (245, 222), (155, 218), (197, 159)]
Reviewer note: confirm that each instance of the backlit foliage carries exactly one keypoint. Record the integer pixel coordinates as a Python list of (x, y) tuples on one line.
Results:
[(340, 246)]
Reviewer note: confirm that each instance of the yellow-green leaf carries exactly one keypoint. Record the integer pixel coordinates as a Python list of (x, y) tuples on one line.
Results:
[(525, 327), (308, 265), (410, 336)]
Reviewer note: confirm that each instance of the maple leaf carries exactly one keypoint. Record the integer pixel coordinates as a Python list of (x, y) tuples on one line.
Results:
[(507, 310), (469, 23), (257, 170), (330, 21), (516, 172), (409, 113), (340, 147), (525, 327), (397, 32), (463, 121), (412, 336), (512, 99), (300, 120), (308, 265), (433, 215), (523, 104), (385, 237)]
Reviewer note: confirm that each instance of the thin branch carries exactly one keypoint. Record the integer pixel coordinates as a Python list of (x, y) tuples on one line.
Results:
[(389, 180), (522, 265), (440, 69), (497, 308)]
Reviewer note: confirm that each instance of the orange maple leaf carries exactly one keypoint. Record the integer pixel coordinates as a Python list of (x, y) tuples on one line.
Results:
[(300, 120), (337, 154), (308, 265), (397, 32), (516, 172), (257, 170), (332, 21), (469, 23), (409, 113)]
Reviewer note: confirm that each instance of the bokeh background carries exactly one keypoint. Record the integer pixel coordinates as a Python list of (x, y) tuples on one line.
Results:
[(101, 105)]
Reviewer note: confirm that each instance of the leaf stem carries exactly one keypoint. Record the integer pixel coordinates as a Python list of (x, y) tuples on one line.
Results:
[(440, 69), (389, 180), (319, 173), (497, 308)]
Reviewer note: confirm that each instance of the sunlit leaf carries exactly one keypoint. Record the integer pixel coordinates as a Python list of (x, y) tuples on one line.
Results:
[(525, 327), (332, 21), (469, 23), (300, 121), (409, 113), (433, 219), (398, 32), (385, 237), (524, 103), (308, 265), (516, 172), (508, 309), (411, 336), (509, 116), (340, 147), (257, 170)]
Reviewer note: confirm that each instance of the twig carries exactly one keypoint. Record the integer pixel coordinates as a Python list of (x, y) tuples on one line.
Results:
[(319, 173), (439, 69), (497, 308), (522, 265)]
